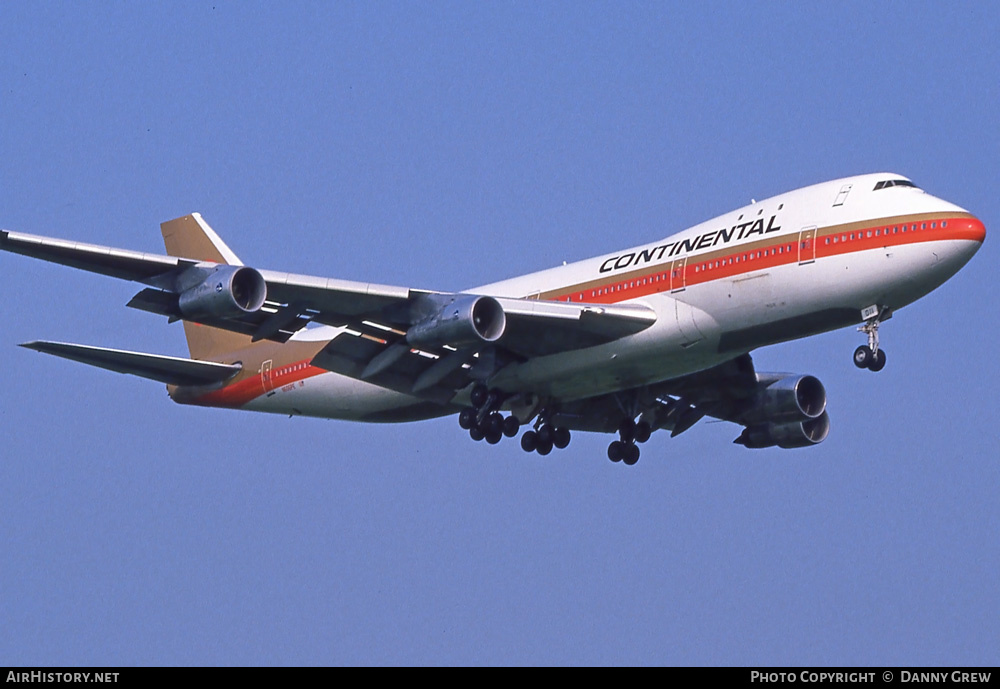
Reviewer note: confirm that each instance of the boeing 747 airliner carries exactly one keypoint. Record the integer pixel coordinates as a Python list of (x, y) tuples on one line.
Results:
[(647, 338)]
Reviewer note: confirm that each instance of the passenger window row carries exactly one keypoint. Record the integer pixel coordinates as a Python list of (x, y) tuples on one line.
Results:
[(881, 231)]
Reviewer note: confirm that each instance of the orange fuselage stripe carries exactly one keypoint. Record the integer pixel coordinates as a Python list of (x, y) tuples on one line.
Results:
[(783, 250), (243, 392)]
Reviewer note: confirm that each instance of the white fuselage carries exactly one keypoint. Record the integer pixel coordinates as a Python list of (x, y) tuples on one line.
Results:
[(786, 267)]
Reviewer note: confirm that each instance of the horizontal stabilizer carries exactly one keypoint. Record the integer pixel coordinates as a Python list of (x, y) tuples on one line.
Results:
[(165, 369)]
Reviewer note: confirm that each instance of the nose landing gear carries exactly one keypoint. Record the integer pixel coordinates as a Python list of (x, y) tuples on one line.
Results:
[(870, 356)]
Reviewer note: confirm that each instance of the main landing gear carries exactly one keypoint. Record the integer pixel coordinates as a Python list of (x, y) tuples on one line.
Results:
[(870, 356), (492, 427), (484, 422), (482, 419), (545, 438), (625, 450)]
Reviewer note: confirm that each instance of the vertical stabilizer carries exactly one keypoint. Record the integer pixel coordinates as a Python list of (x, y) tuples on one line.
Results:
[(191, 237)]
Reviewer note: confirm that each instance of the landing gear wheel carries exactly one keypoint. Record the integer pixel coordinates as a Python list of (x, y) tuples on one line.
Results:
[(878, 361), (511, 426), (642, 432), (493, 437), (616, 451), (631, 454), (545, 435), (494, 424), (480, 393), (529, 441), (863, 356), (467, 418), (476, 434), (544, 447), (560, 437)]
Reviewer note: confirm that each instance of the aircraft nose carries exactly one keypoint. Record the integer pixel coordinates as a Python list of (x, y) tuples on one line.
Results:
[(966, 235), (974, 229)]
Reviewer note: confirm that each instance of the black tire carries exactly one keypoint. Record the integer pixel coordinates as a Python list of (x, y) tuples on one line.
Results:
[(642, 432), (480, 393), (511, 426), (493, 437), (545, 435), (561, 437), (529, 441), (616, 451), (878, 361), (476, 434), (495, 423), (467, 418), (631, 454), (544, 447), (863, 356)]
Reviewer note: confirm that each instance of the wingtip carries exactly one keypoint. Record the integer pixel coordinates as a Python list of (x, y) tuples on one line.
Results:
[(34, 344)]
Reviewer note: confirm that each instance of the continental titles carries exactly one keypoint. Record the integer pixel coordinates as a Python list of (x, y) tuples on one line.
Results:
[(702, 241)]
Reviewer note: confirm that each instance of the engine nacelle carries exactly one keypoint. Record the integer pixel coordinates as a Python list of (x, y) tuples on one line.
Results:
[(461, 320), (789, 434), (227, 291), (792, 398)]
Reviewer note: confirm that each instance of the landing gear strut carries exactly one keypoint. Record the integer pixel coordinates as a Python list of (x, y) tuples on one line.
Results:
[(870, 356)]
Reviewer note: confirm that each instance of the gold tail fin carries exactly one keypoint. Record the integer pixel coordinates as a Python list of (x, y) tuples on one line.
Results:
[(191, 237)]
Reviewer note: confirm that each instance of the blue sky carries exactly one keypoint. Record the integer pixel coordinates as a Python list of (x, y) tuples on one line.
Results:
[(445, 145)]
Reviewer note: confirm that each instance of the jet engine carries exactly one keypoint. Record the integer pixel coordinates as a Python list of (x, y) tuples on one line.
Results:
[(788, 434), (788, 411), (460, 320), (228, 291), (786, 398)]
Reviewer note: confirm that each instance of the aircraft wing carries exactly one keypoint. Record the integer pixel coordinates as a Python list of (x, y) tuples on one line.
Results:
[(723, 392), (784, 409), (165, 274), (119, 263), (378, 321)]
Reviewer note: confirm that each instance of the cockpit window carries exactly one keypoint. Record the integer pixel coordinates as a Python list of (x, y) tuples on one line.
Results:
[(895, 183)]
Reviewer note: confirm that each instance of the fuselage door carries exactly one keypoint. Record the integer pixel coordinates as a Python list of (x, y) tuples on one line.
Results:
[(265, 376), (678, 275), (807, 245), (842, 195)]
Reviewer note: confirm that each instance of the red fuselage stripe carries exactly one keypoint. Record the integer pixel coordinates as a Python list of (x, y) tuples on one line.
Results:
[(671, 276), (245, 391)]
